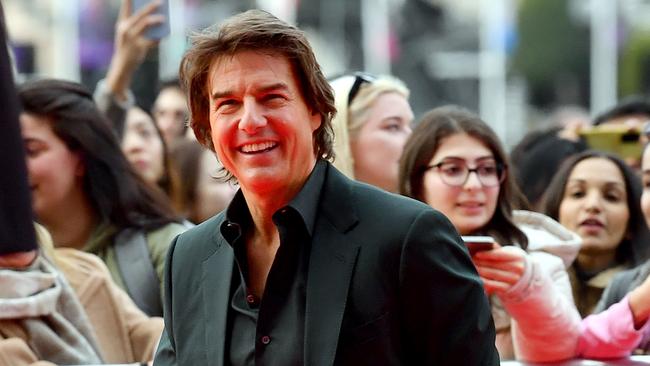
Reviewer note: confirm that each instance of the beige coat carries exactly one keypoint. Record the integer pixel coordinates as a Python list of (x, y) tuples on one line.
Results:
[(124, 334)]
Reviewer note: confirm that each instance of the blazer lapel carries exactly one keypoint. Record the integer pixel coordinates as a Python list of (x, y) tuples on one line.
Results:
[(331, 263), (216, 296)]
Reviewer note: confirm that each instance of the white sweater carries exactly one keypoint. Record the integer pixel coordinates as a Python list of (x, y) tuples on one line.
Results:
[(545, 324)]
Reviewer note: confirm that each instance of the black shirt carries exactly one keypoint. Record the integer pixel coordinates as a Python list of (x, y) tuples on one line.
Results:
[(270, 331)]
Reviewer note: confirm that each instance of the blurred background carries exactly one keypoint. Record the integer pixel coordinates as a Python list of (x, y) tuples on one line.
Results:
[(516, 62)]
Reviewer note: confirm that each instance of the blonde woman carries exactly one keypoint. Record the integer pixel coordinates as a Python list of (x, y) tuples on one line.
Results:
[(371, 126)]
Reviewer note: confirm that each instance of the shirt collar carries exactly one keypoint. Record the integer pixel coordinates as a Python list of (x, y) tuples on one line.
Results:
[(305, 203)]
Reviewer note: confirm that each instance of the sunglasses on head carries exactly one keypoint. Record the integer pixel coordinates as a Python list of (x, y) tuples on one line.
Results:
[(360, 78)]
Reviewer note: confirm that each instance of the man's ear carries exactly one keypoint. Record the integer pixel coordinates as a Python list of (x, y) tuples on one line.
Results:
[(315, 120)]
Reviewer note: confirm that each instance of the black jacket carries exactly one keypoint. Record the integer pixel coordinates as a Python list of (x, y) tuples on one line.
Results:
[(389, 283)]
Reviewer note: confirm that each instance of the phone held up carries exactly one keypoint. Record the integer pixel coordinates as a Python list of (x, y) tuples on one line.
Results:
[(477, 244), (623, 141), (158, 31)]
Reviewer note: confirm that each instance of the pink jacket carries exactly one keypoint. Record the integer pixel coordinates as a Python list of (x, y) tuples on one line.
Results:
[(611, 333)]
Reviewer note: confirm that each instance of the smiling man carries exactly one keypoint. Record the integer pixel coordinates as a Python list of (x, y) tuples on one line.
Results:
[(305, 267)]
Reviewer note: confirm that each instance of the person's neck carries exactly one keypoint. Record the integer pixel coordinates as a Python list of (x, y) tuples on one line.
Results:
[(262, 204), (72, 229), (595, 263), (262, 207)]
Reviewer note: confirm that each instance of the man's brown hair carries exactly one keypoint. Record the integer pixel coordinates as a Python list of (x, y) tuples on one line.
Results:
[(256, 30)]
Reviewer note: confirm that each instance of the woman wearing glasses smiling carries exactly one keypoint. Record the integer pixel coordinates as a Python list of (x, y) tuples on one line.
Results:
[(454, 162)]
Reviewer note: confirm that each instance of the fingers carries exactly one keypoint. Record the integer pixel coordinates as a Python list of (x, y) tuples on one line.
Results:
[(145, 12), (494, 287), (501, 254), (509, 277), (140, 27), (125, 10)]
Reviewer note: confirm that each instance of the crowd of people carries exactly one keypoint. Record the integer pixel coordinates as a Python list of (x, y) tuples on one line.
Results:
[(274, 216)]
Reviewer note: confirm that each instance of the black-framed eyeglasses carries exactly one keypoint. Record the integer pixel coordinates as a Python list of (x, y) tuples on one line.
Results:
[(360, 78), (455, 174)]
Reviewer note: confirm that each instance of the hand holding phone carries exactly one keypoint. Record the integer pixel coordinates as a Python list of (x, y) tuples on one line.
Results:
[(477, 244), (619, 140), (160, 30)]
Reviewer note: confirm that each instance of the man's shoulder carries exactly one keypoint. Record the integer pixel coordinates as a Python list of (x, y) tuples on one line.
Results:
[(201, 240), (368, 199)]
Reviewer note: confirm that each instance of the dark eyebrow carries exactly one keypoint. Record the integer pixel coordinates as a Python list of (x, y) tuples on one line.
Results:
[(482, 158), (263, 89)]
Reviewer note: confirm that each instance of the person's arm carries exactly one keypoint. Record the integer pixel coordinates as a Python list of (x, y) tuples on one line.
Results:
[(545, 321), (611, 333), (639, 301), (112, 94), (144, 332), (15, 351), (446, 315)]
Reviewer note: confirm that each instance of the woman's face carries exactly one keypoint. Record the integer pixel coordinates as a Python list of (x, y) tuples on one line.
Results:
[(594, 205), (143, 146), (469, 206), (645, 197), (212, 196), (378, 145), (55, 172)]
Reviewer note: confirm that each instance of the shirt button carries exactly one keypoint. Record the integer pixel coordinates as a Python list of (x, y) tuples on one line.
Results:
[(250, 299), (283, 211), (266, 340)]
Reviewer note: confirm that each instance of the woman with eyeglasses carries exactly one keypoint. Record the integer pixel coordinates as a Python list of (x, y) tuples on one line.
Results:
[(371, 126), (454, 162)]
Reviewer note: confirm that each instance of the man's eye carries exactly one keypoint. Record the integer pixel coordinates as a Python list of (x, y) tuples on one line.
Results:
[(225, 103), (274, 98)]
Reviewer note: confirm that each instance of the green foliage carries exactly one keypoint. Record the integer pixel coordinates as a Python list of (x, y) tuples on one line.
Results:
[(634, 62), (551, 47)]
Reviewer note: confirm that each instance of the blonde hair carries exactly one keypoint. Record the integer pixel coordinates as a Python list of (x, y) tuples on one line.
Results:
[(350, 118)]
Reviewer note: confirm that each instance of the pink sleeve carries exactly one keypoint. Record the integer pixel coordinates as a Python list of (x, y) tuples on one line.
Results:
[(611, 333)]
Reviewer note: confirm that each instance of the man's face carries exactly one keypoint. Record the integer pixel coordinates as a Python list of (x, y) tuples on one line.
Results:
[(262, 128)]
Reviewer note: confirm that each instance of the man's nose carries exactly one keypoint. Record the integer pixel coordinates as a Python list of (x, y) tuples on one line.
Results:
[(252, 118)]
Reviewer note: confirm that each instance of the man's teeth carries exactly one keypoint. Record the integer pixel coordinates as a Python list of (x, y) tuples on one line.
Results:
[(249, 148)]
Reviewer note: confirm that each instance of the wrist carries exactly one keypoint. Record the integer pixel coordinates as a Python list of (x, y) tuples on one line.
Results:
[(639, 303), (118, 80)]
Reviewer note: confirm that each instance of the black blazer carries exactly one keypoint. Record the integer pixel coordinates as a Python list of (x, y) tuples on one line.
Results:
[(389, 283)]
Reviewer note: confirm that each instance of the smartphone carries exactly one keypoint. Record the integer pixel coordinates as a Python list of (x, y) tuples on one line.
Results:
[(477, 244), (157, 31), (623, 142)]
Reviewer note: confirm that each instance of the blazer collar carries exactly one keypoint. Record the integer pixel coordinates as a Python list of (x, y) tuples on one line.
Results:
[(332, 259), (216, 295)]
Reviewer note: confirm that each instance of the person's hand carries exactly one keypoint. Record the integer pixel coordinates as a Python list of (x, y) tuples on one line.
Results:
[(639, 300), (17, 260), (500, 268), (131, 44)]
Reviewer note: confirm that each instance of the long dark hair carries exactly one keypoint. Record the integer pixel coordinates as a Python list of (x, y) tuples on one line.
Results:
[(165, 182), (115, 190), (435, 126), (633, 249)]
